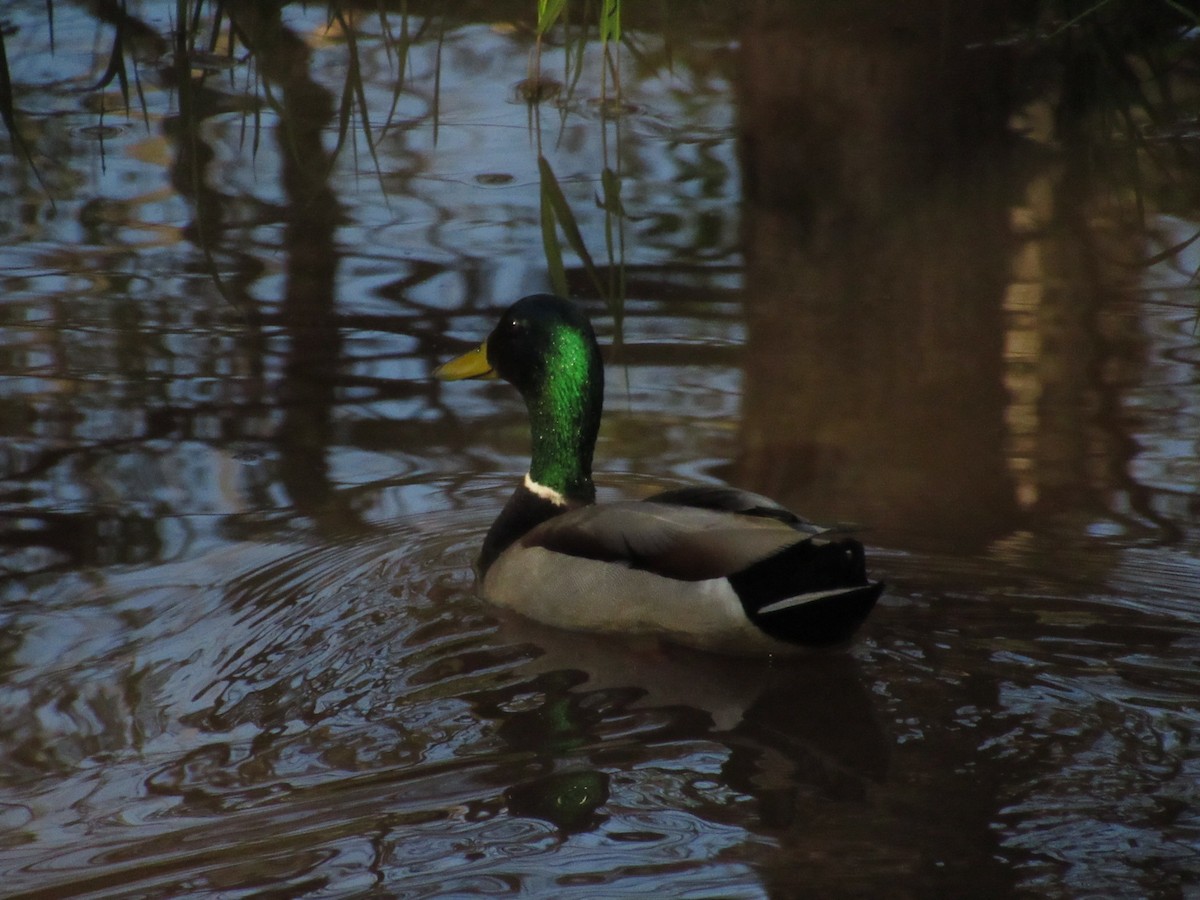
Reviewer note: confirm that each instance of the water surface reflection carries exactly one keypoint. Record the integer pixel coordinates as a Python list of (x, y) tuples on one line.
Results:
[(886, 268)]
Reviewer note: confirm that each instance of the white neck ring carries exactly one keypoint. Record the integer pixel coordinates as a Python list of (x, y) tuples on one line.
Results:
[(546, 493)]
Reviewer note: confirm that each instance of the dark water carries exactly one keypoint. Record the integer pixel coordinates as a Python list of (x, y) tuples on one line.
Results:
[(930, 274)]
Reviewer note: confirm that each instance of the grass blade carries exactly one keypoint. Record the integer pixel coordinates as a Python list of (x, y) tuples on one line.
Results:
[(548, 12), (550, 242), (610, 21), (557, 200), (8, 112)]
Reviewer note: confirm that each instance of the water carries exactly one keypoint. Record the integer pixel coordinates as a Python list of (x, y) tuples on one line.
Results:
[(240, 649)]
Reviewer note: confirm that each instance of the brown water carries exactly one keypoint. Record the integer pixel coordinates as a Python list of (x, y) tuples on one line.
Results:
[(932, 276)]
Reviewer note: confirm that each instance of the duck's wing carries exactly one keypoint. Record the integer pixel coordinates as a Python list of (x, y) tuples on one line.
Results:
[(687, 543), (728, 499)]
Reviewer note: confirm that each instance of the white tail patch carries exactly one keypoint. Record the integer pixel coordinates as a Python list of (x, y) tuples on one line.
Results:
[(801, 599)]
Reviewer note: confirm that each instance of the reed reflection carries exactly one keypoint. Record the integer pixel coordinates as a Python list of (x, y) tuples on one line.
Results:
[(935, 324), (876, 228), (308, 390), (877, 257)]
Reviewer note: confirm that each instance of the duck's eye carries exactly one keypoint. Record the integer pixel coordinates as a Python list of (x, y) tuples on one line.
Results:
[(515, 330)]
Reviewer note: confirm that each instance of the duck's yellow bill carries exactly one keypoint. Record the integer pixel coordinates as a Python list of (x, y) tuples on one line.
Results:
[(472, 364)]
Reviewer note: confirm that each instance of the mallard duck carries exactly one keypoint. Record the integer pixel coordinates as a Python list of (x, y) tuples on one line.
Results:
[(711, 567)]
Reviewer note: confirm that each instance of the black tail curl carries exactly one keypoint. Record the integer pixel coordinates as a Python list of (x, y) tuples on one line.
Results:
[(834, 573)]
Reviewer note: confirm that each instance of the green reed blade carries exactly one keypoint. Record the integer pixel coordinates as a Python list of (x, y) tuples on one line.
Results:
[(548, 12), (552, 193), (610, 21), (550, 243)]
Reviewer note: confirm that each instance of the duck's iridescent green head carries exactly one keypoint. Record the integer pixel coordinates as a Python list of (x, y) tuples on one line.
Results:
[(545, 347)]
